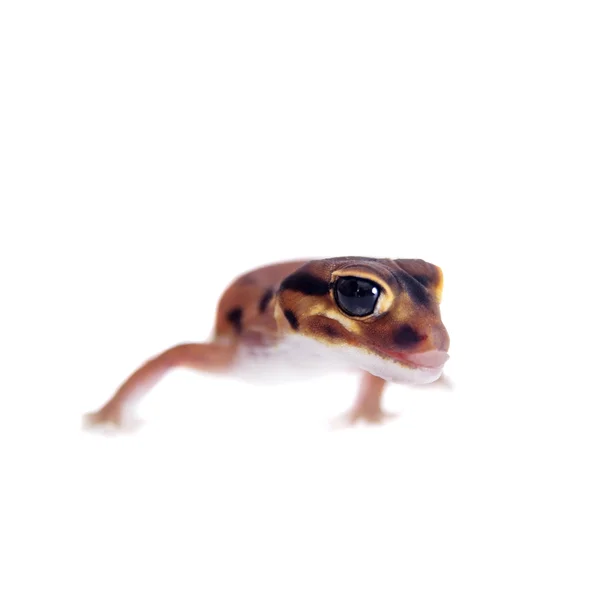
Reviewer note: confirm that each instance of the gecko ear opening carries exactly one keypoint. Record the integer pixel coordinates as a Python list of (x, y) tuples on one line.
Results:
[(425, 273)]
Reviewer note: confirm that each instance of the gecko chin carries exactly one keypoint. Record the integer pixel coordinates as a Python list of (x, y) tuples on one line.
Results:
[(299, 355), (398, 367)]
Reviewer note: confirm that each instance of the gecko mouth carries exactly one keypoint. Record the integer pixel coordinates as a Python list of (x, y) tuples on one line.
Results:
[(430, 360)]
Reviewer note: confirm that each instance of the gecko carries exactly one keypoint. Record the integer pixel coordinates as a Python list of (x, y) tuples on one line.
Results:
[(380, 317)]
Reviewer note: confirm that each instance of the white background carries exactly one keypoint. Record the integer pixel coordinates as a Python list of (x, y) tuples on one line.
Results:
[(151, 151)]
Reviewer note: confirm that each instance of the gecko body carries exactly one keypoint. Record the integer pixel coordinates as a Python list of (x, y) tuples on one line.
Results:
[(378, 316)]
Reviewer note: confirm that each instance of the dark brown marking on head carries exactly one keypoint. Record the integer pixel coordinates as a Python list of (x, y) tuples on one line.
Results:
[(427, 274), (406, 337), (330, 331), (423, 280), (324, 328), (234, 316), (416, 290), (292, 319), (305, 283), (264, 301)]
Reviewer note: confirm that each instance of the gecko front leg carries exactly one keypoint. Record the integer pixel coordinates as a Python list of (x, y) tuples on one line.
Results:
[(367, 406), (203, 357)]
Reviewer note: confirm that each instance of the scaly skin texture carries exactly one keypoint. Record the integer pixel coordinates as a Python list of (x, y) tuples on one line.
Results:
[(401, 339)]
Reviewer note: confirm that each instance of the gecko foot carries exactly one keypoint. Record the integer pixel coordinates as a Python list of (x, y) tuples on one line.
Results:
[(109, 418), (358, 414)]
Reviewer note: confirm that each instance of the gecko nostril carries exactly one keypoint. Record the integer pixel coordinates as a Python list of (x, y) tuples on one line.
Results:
[(407, 336)]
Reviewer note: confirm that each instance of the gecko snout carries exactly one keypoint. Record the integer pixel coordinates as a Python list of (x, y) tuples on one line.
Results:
[(440, 340), (412, 339)]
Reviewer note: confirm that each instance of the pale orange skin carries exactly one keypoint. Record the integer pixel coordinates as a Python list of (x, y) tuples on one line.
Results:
[(262, 307)]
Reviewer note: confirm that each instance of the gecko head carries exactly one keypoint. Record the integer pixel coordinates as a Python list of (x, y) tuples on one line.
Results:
[(379, 315)]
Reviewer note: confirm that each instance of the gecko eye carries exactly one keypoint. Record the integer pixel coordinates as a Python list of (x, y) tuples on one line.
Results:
[(356, 297)]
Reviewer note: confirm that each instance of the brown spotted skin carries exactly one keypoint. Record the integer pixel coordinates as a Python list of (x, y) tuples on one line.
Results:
[(298, 297), (246, 307)]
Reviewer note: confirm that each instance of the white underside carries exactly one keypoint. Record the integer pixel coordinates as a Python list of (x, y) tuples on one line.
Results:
[(298, 356)]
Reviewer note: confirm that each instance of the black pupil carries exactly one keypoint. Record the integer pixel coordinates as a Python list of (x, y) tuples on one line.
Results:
[(356, 297)]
